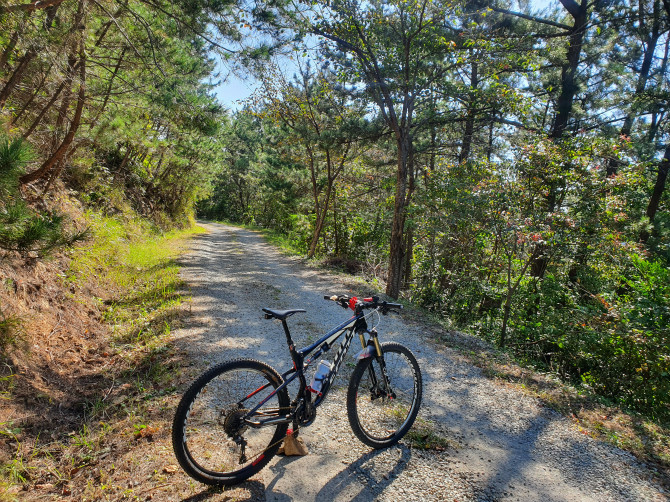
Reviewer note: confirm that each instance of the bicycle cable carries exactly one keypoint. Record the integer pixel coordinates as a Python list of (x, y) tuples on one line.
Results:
[(379, 318)]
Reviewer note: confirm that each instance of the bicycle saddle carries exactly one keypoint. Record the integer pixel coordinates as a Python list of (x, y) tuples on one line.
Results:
[(281, 314)]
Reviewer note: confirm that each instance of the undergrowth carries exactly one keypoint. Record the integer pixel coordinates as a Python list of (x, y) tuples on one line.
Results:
[(138, 265), (11, 331), (22, 228), (133, 267)]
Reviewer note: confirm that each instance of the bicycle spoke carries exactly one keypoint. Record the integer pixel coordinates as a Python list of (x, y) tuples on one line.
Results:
[(213, 440)]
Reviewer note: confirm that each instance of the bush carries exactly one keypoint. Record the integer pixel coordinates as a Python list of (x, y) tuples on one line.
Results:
[(21, 228)]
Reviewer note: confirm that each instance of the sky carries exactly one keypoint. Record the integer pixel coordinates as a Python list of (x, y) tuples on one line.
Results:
[(235, 89)]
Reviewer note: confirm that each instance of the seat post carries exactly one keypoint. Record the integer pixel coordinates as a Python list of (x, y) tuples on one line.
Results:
[(295, 355), (289, 340)]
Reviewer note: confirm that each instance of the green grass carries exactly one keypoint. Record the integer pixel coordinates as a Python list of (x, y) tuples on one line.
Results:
[(136, 264), (11, 331), (423, 434), (17, 469)]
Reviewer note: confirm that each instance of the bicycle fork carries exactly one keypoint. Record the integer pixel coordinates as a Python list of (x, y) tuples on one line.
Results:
[(373, 349)]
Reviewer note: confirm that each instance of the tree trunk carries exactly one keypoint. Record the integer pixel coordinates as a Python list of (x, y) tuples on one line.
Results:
[(657, 193), (569, 85), (335, 224), (397, 251), (4, 58), (466, 144), (58, 155), (27, 104), (16, 76), (66, 99), (321, 219)]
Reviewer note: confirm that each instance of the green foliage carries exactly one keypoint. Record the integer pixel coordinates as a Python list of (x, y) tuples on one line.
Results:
[(11, 332), (136, 263), (21, 228), (14, 155)]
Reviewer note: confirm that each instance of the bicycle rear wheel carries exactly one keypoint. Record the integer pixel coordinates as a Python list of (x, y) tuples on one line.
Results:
[(209, 437), (379, 415)]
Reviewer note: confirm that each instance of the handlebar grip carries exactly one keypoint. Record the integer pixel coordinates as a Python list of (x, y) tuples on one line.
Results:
[(329, 297)]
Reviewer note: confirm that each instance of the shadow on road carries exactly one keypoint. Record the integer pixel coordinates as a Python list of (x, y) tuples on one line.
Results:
[(256, 491), (360, 481)]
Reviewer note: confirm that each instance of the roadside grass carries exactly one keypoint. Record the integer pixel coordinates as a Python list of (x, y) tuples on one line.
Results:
[(138, 267), (424, 435), (133, 268), (11, 331)]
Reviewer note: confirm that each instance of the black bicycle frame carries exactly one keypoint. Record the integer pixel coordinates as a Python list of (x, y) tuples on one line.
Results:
[(355, 324)]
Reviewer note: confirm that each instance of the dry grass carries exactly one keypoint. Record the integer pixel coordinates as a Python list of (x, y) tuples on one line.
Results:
[(87, 410)]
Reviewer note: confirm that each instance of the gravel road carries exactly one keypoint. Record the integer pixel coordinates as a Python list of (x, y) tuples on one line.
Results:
[(504, 444)]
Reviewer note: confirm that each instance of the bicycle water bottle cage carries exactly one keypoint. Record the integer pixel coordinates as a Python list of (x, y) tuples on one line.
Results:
[(281, 314)]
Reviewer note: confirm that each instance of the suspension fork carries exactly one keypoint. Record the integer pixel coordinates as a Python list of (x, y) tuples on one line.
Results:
[(377, 390)]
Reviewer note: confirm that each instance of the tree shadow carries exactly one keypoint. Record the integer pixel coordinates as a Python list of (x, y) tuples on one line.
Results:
[(378, 475), (255, 488)]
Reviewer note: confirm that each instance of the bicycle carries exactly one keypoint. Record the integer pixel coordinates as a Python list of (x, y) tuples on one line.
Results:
[(231, 420)]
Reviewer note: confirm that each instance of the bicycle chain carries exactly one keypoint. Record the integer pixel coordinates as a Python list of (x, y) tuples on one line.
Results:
[(294, 434)]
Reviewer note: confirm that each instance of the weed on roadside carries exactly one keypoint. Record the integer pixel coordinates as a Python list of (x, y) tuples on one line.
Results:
[(11, 331), (424, 435), (131, 378)]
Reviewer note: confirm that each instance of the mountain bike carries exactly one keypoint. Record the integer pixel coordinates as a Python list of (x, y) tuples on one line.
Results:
[(231, 421)]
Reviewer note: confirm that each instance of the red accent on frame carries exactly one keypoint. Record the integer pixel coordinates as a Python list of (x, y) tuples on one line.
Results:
[(256, 391), (352, 303)]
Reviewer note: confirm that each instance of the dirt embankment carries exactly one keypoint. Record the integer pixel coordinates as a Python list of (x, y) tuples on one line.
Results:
[(82, 377), (55, 347)]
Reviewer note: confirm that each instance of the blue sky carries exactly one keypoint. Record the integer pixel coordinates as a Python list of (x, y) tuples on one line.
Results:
[(234, 89)]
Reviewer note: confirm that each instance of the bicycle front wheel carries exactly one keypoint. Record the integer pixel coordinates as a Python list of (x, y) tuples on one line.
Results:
[(210, 437), (382, 404)]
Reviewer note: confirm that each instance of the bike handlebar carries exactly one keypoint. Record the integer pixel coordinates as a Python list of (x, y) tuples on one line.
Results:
[(366, 303)]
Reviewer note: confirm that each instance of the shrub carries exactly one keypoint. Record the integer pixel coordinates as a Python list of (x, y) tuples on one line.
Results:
[(23, 229)]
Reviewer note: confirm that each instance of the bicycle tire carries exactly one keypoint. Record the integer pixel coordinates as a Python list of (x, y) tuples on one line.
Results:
[(209, 410), (376, 419)]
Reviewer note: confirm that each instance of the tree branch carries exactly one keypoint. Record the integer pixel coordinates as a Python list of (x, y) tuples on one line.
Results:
[(532, 18)]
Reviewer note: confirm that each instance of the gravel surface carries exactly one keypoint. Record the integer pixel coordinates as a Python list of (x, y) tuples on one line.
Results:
[(503, 444)]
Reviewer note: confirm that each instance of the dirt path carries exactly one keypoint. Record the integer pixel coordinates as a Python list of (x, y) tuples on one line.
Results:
[(505, 445)]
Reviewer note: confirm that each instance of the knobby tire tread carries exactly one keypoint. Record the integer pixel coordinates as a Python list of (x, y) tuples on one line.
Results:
[(181, 414), (353, 390)]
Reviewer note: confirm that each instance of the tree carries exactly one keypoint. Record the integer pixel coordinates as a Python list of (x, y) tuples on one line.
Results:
[(321, 120)]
